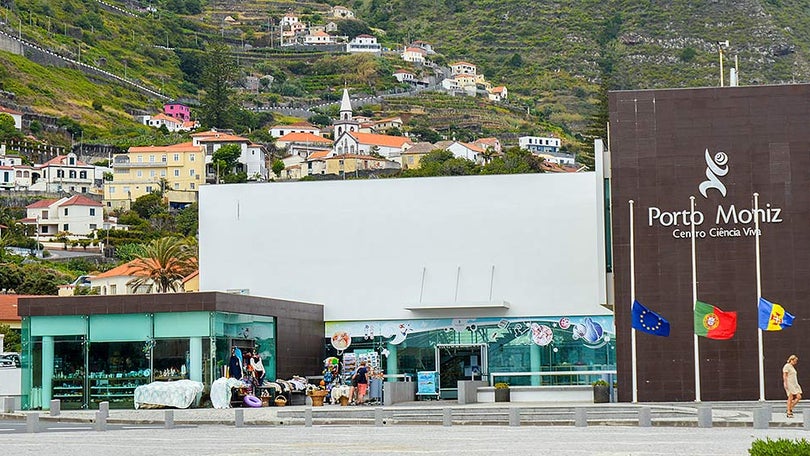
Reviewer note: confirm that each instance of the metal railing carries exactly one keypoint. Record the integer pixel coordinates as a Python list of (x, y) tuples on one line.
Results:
[(600, 374)]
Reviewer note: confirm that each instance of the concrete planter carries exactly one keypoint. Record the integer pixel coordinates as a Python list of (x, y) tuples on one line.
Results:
[(601, 394), (502, 395)]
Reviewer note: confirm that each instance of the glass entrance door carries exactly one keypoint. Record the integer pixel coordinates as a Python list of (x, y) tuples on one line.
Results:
[(459, 362)]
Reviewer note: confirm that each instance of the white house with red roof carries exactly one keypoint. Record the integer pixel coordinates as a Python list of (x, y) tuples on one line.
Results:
[(77, 215), (172, 124), (252, 159), (468, 151), (303, 144), (499, 93), (462, 67), (119, 281), (492, 143), (341, 12), (414, 55), (299, 127), (16, 115), (319, 37), (65, 173)]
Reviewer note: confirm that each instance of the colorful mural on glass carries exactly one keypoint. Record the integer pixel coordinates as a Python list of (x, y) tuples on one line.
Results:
[(592, 331)]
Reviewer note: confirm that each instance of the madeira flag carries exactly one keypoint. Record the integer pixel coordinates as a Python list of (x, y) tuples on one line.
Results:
[(713, 323), (647, 321), (773, 317)]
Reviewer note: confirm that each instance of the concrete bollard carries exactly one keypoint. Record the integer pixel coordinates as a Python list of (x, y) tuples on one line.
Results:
[(101, 421), (762, 418), (704, 415), (581, 417), (447, 416), (56, 407), (239, 417), (644, 417), (514, 416), (104, 407), (308, 417), (379, 417), (32, 422), (8, 404), (168, 419)]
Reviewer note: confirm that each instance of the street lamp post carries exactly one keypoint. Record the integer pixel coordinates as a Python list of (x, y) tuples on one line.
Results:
[(720, 45), (36, 251)]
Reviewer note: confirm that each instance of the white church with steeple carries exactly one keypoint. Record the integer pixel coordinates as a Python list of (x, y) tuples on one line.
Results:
[(349, 139)]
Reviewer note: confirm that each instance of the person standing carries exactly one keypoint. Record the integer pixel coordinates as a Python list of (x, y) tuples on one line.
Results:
[(234, 365), (361, 377), (258, 368), (791, 382)]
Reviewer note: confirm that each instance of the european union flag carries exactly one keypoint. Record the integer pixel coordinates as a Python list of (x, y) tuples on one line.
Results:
[(647, 321)]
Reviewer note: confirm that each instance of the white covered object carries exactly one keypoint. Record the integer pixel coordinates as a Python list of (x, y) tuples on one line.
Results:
[(221, 391), (180, 394)]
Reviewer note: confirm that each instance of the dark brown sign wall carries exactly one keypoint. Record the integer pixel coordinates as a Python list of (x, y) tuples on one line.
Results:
[(658, 144)]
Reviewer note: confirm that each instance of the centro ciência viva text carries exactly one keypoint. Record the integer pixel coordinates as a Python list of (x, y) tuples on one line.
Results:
[(729, 215)]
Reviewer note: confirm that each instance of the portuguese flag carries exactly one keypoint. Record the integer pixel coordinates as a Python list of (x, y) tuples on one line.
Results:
[(713, 323)]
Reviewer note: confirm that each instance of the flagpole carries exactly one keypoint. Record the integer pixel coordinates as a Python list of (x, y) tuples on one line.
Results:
[(759, 295), (694, 299), (632, 300)]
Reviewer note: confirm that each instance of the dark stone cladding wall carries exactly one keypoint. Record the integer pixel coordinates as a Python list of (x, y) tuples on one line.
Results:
[(658, 141), (299, 325)]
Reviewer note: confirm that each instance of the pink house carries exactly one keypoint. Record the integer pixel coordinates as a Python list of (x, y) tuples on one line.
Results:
[(178, 111)]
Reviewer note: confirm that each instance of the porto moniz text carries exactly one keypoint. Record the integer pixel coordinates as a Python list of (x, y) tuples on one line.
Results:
[(729, 221)]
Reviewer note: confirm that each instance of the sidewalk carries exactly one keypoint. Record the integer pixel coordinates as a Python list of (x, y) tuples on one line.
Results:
[(723, 414)]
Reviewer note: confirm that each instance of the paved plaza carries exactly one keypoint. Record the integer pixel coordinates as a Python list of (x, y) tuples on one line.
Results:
[(544, 429)]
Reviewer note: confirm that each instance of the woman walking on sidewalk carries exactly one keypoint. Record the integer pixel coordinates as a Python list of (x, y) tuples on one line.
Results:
[(791, 382)]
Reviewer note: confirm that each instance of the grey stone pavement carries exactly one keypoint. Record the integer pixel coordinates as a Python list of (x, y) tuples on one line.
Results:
[(412, 429)]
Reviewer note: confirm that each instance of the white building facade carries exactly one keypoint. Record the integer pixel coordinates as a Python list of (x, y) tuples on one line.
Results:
[(483, 266)]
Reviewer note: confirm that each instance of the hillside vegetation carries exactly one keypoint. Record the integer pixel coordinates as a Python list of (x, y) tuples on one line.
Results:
[(557, 58)]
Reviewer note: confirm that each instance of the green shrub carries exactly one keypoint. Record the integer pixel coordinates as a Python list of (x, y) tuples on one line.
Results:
[(600, 383), (501, 385), (779, 447)]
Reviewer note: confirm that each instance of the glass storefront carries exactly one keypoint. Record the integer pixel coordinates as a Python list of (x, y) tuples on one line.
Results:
[(83, 360), (536, 351)]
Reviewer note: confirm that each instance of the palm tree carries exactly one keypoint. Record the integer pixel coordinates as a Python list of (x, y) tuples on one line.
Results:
[(165, 262)]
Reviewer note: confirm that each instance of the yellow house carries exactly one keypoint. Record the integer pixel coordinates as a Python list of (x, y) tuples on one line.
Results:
[(192, 282), (412, 157), (350, 163), (143, 170)]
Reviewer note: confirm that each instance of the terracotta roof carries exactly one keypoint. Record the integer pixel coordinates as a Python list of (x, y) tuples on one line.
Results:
[(59, 160), (461, 62), (487, 141), (472, 147), (364, 36), (41, 204), (303, 137), (381, 140), (124, 270), (415, 49), (182, 147), (359, 156), (8, 307), (162, 116), (10, 111), (318, 155), (498, 89), (401, 71), (79, 200), (320, 33), (388, 119), (191, 276), (222, 137)]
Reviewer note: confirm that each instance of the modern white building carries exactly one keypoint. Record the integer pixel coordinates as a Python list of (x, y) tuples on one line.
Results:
[(364, 43), (539, 144), (456, 274), (77, 215)]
